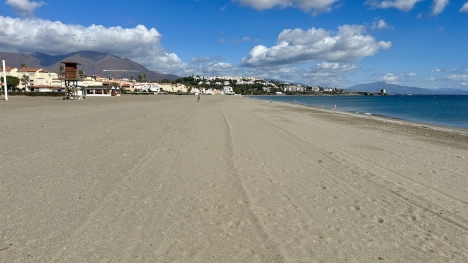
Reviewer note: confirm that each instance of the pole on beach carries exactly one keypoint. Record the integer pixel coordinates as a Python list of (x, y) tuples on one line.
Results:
[(5, 80)]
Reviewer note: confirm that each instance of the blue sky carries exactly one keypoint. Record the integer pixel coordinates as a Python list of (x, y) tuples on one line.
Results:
[(338, 43)]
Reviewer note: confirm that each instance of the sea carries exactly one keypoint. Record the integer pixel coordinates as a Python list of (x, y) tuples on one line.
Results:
[(442, 110)]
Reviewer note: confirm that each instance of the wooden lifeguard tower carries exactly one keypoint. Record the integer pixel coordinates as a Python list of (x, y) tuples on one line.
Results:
[(71, 78)]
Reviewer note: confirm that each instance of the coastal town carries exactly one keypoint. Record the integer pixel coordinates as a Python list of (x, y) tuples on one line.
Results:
[(36, 79)]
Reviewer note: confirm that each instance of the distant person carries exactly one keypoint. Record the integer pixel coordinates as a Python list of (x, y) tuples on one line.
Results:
[(334, 106), (199, 96)]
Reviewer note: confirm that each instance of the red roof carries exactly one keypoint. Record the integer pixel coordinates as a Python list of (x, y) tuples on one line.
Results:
[(29, 69), (7, 69)]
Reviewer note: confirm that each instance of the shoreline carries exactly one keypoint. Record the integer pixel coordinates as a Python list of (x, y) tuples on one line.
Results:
[(450, 135), (398, 121), (383, 117)]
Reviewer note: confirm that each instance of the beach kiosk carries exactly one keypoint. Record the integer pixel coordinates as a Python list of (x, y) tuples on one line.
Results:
[(71, 78)]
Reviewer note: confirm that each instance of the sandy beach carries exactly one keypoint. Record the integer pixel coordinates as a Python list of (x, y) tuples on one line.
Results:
[(166, 179)]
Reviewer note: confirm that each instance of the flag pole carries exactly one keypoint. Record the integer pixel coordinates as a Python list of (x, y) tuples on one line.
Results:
[(5, 80)]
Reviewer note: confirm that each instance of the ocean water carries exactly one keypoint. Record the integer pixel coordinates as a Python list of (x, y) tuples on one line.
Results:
[(442, 110)]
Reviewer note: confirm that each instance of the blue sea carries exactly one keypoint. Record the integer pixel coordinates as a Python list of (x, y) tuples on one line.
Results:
[(442, 110)]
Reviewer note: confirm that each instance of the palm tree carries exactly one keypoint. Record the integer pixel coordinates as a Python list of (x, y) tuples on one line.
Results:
[(23, 65), (131, 78), (144, 77), (61, 69), (140, 78), (25, 81), (80, 73)]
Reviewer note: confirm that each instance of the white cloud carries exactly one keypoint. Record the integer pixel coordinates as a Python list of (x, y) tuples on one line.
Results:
[(402, 5), (314, 6), (330, 67), (205, 59), (450, 70), (24, 8), (457, 77), (439, 6), (328, 73), (380, 24), (244, 39), (36, 35), (213, 69), (464, 8), (291, 74), (299, 46), (397, 78), (406, 5), (391, 78), (458, 80)]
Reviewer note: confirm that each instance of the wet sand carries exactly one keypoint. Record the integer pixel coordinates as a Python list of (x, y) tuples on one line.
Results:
[(229, 179)]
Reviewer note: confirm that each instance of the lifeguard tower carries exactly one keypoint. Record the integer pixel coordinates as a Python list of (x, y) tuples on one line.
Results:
[(71, 78)]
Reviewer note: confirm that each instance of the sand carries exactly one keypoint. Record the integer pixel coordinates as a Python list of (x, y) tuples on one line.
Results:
[(229, 179)]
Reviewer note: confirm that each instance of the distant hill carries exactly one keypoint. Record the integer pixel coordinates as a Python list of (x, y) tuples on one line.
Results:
[(397, 89), (92, 63)]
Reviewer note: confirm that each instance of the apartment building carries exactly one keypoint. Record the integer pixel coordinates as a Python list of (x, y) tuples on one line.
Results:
[(38, 77)]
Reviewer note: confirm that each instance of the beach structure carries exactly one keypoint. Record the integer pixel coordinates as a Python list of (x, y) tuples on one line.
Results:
[(101, 91), (4, 80), (71, 78)]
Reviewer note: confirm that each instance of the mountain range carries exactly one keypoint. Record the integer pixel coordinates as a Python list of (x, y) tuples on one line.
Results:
[(397, 89), (91, 62)]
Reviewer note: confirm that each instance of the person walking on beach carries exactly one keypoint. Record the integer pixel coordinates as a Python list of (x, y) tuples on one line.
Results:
[(334, 106), (198, 99)]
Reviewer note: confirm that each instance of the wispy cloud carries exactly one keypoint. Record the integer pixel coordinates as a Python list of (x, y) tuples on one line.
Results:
[(205, 59), (380, 24), (464, 8), (391, 78), (458, 79), (24, 8), (402, 5), (439, 6), (244, 39), (406, 5), (396, 78), (310, 6)]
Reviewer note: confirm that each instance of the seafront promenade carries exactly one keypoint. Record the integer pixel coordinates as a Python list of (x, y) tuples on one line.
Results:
[(229, 179)]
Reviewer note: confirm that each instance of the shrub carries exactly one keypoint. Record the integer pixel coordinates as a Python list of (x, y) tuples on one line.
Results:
[(44, 94)]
